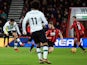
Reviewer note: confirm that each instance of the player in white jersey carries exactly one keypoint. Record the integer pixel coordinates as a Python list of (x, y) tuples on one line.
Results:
[(35, 19), (11, 28)]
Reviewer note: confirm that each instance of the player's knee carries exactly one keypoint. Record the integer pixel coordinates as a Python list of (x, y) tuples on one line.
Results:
[(45, 44), (15, 36), (38, 46), (51, 50), (41, 44)]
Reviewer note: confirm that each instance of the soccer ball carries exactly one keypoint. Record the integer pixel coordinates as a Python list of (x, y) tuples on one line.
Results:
[(73, 50)]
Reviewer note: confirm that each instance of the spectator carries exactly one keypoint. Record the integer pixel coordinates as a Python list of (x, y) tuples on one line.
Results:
[(44, 3), (4, 15), (57, 25), (59, 19), (53, 19), (63, 27), (5, 7), (59, 8)]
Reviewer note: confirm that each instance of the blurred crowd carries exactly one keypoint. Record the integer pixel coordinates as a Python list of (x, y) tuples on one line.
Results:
[(56, 11), (4, 9)]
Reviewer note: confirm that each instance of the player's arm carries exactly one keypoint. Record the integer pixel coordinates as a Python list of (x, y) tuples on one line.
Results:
[(61, 36), (17, 28), (82, 28), (5, 29), (72, 26), (24, 24), (45, 22), (47, 33)]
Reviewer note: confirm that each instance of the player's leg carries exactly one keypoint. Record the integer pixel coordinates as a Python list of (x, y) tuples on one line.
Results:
[(75, 41), (51, 48), (30, 40), (38, 49), (45, 53), (43, 40), (39, 53), (32, 46), (79, 43), (7, 41), (81, 46), (4, 39), (17, 39), (5, 36)]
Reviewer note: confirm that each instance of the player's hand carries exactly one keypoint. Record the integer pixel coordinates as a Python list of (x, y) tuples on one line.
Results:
[(24, 33), (82, 32), (7, 34), (19, 35)]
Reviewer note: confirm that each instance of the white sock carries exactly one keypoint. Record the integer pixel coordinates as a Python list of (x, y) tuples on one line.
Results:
[(18, 40), (45, 52), (15, 45), (39, 53)]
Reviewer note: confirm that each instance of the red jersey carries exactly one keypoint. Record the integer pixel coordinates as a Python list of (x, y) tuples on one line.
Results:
[(28, 29), (52, 34), (78, 28)]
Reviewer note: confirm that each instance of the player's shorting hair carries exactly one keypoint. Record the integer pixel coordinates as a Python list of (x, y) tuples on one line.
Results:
[(35, 5), (74, 17), (12, 20)]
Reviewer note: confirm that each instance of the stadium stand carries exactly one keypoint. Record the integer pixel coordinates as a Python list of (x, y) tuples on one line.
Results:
[(56, 11), (4, 9)]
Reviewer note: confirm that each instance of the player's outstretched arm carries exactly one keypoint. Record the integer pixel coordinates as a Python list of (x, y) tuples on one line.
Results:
[(61, 36), (45, 22), (18, 31)]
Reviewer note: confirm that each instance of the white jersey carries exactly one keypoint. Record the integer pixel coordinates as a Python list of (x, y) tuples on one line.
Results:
[(35, 19), (8, 27)]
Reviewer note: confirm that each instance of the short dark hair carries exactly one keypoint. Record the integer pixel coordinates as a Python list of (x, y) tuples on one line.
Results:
[(74, 17), (35, 5), (12, 20)]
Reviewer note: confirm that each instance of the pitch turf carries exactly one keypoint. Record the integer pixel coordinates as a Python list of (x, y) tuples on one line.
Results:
[(60, 56)]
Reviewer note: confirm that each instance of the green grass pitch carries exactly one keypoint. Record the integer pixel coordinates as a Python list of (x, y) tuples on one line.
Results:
[(60, 56)]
